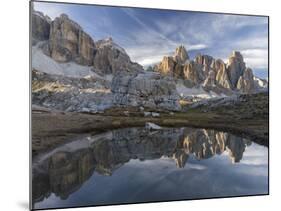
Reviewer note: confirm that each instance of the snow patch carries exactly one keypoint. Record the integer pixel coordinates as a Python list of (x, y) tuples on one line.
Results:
[(46, 64), (195, 92)]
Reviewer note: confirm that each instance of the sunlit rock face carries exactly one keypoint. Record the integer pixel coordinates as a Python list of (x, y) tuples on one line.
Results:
[(222, 77), (246, 82), (65, 170), (69, 42), (210, 73), (166, 67)]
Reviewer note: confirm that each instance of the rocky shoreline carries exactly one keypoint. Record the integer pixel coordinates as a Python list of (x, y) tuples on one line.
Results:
[(52, 128)]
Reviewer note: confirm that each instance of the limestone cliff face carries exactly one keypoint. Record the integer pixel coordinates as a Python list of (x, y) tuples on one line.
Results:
[(206, 62), (246, 82), (110, 58), (173, 65), (40, 27), (193, 72), (211, 79), (222, 77), (213, 74), (166, 67), (181, 55), (235, 67), (68, 42)]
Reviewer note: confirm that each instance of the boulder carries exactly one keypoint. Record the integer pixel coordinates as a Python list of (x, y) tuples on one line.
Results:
[(152, 126)]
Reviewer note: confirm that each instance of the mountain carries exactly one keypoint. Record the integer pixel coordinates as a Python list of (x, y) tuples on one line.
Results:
[(66, 41), (73, 72), (212, 74)]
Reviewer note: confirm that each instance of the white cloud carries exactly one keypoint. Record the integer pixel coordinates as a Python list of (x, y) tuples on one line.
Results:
[(256, 58), (152, 54), (253, 42), (49, 9)]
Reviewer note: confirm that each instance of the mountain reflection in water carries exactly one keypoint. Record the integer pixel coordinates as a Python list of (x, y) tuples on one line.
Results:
[(143, 158)]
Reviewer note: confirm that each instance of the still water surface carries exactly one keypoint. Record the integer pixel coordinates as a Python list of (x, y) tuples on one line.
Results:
[(137, 165)]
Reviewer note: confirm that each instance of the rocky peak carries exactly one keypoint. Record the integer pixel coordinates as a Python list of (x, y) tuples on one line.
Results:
[(68, 42), (246, 83), (40, 27), (222, 77), (193, 72), (206, 61), (235, 67), (111, 58), (108, 42), (181, 55), (166, 66)]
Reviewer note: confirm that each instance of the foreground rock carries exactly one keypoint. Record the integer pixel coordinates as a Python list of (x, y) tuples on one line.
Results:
[(145, 89), (94, 94), (152, 126)]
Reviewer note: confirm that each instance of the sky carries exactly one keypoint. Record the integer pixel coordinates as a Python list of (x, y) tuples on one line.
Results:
[(149, 34)]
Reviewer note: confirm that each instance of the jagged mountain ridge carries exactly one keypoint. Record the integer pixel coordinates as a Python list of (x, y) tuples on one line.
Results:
[(70, 52), (68, 42), (210, 72)]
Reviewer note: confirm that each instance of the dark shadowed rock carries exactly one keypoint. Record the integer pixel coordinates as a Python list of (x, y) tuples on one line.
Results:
[(207, 63), (193, 72), (40, 26), (235, 67)]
